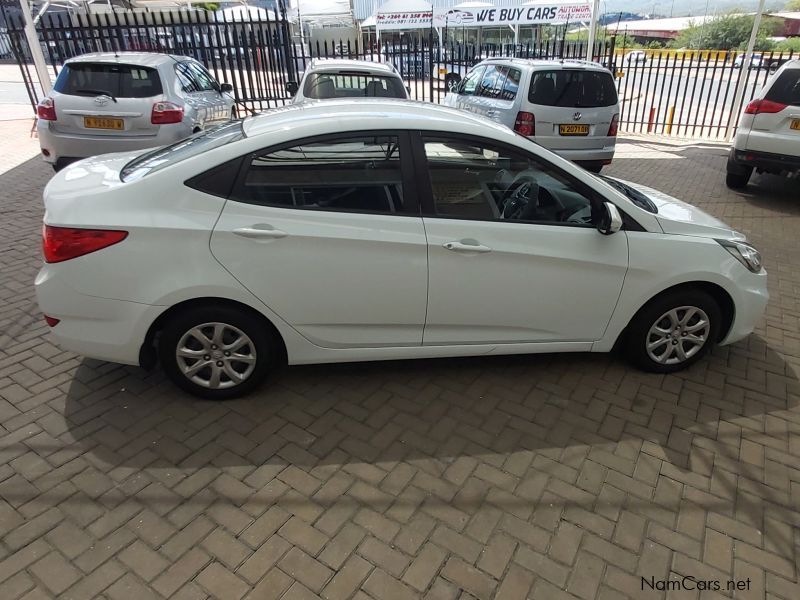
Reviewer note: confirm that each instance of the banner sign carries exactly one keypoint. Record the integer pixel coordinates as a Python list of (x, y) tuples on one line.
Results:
[(543, 13)]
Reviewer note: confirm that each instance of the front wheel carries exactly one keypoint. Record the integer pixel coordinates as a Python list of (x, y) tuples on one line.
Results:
[(673, 331), (217, 353)]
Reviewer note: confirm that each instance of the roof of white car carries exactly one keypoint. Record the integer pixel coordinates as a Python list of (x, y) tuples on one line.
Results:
[(337, 115), (145, 59), (549, 63), (335, 64)]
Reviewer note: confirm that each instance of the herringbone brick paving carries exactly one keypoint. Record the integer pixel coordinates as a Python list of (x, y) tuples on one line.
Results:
[(560, 476)]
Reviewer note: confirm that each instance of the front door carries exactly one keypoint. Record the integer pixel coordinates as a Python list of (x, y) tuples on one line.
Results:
[(327, 234), (513, 254)]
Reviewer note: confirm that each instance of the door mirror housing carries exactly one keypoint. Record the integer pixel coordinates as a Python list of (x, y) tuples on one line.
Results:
[(291, 87), (610, 219), (225, 88)]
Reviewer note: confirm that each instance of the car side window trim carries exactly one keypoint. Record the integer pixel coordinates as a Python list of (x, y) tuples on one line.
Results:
[(411, 206), (427, 203)]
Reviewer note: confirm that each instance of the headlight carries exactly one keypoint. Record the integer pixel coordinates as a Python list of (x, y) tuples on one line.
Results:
[(744, 253)]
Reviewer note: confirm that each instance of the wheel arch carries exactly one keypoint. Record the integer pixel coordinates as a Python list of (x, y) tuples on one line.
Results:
[(717, 292), (148, 355)]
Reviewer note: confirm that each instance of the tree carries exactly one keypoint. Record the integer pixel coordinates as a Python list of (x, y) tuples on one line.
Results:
[(792, 5), (728, 32)]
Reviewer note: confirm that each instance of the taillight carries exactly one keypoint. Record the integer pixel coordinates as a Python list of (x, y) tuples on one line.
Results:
[(763, 106), (46, 109), (525, 124), (614, 126), (52, 321), (165, 113), (64, 243)]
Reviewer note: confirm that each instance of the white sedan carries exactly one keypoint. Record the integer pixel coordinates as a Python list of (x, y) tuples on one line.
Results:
[(344, 231)]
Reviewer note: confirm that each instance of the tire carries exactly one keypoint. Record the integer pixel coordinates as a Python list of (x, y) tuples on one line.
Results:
[(680, 351), (260, 347), (738, 181)]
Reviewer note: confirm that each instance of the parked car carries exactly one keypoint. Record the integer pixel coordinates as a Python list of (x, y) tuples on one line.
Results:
[(339, 78), (348, 231), (567, 106), (756, 61), (635, 57), (112, 102), (768, 137)]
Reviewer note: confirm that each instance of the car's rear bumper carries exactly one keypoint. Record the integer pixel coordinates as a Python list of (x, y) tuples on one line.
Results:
[(739, 160), (73, 146), (101, 328)]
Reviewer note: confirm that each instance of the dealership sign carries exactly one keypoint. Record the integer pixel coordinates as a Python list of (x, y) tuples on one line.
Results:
[(540, 13)]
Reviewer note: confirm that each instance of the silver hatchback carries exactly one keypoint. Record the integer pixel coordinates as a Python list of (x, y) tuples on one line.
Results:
[(568, 106), (115, 102)]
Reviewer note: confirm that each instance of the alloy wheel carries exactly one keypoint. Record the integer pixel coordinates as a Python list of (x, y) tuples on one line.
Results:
[(216, 355), (677, 335)]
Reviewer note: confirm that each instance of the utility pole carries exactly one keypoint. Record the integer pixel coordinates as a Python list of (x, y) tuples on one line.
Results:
[(748, 56), (592, 30), (39, 62)]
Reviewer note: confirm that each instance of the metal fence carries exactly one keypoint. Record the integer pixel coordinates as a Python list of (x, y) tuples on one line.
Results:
[(689, 94), (679, 93)]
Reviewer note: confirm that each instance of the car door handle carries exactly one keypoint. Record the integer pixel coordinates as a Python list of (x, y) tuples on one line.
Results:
[(260, 232), (462, 247)]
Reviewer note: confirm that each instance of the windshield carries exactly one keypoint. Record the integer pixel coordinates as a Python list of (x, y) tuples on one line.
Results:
[(111, 79), (165, 156), (353, 85), (634, 195), (572, 88)]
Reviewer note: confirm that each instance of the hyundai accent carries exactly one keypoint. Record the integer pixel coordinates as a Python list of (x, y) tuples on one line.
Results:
[(383, 229)]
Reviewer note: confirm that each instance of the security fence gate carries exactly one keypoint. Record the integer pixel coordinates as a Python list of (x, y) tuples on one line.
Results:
[(680, 93)]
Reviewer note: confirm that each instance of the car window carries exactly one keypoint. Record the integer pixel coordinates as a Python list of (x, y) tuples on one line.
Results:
[(499, 81), (203, 78), (186, 78), (352, 85), (119, 81), (157, 159), (354, 173), (573, 88), (471, 81), (786, 88), (483, 181)]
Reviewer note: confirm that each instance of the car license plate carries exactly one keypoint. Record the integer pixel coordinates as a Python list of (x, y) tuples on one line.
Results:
[(795, 124), (103, 123), (573, 130)]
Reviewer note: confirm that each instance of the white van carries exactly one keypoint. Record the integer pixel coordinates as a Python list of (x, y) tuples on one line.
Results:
[(567, 106)]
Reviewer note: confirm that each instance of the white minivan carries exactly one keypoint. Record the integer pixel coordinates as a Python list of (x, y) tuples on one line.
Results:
[(568, 106)]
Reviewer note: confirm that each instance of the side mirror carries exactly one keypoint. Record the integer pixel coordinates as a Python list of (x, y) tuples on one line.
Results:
[(225, 88), (610, 219), (291, 87)]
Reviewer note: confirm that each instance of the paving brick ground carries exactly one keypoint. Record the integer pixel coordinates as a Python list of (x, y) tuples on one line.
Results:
[(545, 476)]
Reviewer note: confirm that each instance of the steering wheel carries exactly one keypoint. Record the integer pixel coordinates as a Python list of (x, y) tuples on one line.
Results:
[(522, 192)]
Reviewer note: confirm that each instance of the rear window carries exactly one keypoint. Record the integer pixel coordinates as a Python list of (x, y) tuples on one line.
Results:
[(572, 88), (119, 81), (157, 159), (352, 85), (786, 88)]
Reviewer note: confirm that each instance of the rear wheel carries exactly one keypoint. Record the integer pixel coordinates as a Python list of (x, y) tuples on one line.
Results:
[(673, 331), (217, 353), (738, 180)]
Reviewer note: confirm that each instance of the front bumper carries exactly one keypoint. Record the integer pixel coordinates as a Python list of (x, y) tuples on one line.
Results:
[(739, 160), (101, 328), (75, 146), (750, 301)]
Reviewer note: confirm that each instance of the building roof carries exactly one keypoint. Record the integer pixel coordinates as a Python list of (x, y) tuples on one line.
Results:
[(671, 24)]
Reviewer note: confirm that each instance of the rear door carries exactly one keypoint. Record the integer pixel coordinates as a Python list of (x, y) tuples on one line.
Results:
[(100, 98), (572, 107), (327, 233), (776, 127)]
